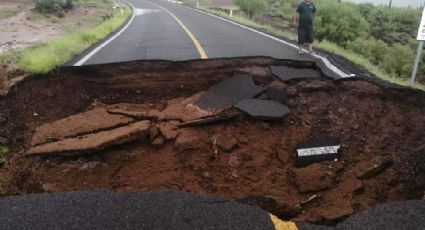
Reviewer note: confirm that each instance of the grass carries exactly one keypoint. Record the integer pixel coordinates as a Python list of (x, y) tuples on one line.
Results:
[(6, 14), (3, 151), (45, 57), (324, 45)]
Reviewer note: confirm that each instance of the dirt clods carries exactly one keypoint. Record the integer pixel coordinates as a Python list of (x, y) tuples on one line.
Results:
[(146, 133)]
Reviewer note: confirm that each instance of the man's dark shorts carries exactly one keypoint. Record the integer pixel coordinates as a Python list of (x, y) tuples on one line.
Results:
[(305, 35)]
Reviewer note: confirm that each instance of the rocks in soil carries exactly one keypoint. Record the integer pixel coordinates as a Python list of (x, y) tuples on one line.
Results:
[(93, 142), (263, 109), (369, 169), (3, 120), (314, 86), (88, 122), (153, 132), (168, 130), (291, 91), (310, 200), (314, 178), (285, 73), (276, 92), (226, 143), (4, 141), (158, 141), (189, 138), (334, 213), (283, 155)]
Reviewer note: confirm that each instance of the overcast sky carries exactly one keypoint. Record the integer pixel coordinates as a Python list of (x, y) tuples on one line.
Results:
[(404, 3)]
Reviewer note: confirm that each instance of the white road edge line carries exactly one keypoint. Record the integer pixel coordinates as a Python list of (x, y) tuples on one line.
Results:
[(325, 60), (98, 48)]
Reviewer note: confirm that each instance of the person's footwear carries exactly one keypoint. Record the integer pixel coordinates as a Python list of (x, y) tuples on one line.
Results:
[(312, 52), (300, 52)]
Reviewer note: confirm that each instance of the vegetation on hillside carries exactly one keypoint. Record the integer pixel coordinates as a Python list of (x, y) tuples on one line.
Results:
[(384, 36)]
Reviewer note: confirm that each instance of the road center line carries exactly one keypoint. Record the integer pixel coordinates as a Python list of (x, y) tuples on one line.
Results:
[(198, 46), (282, 225)]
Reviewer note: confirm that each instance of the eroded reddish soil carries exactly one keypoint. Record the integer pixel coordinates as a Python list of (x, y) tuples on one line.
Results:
[(381, 130)]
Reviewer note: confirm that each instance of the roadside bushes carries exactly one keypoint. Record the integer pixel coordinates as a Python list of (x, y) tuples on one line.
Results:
[(339, 23), (373, 50), (392, 25), (394, 59), (250, 7), (53, 6)]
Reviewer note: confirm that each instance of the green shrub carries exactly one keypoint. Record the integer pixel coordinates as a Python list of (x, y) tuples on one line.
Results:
[(53, 6), (399, 60), (250, 7), (373, 50), (339, 23)]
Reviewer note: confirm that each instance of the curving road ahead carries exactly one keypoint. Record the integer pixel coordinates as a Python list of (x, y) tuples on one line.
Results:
[(162, 30)]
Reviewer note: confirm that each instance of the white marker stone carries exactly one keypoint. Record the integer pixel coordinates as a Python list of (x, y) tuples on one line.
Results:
[(317, 151)]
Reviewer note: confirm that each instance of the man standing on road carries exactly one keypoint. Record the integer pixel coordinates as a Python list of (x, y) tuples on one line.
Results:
[(304, 18)]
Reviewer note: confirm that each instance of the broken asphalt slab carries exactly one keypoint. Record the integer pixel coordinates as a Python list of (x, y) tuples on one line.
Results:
[(285, 73), (92, 142), (91, 121), (263, 109), (228, 93)]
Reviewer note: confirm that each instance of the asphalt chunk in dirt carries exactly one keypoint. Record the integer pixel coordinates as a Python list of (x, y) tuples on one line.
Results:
[(93, 142), (263, 109), (84, 123), (285, 73), (228, 93), (276, 91)]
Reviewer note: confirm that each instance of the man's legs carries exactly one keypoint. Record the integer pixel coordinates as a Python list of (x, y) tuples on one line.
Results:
[(310, 39), (301, 39)]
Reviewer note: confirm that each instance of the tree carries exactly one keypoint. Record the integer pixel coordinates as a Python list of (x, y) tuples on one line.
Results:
[(250, 7)]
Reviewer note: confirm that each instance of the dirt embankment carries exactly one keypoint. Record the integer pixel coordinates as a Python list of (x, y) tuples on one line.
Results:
[(380, 129)]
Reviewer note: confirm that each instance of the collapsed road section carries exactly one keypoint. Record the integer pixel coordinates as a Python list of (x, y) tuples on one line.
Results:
[(276, 134)]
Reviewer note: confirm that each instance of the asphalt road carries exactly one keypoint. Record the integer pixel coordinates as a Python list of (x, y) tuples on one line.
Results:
[(104, 209), (157, 33)]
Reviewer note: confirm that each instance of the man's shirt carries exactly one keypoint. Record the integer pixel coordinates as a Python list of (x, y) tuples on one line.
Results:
[(306, 12)]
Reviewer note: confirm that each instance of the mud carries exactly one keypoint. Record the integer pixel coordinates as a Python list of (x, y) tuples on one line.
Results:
[(380, 128)]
